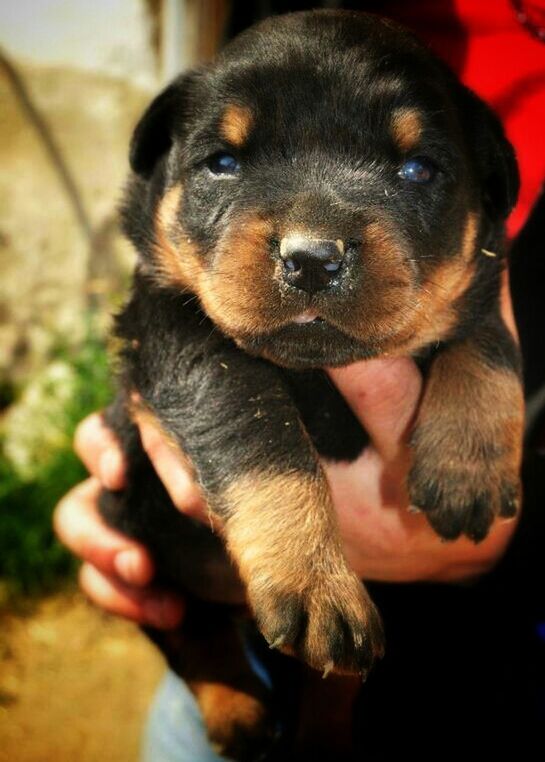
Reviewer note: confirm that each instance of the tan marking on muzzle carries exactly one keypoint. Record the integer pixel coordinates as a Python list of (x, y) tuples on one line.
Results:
[(469, 236), (176, 262)]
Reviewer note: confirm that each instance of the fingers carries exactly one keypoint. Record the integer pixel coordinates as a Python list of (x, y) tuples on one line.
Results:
[(116, 570), (174, 471), (98, 448), (384, 396), (80, 526), (159, 609)]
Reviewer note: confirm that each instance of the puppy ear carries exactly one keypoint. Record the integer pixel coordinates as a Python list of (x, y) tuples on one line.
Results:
[(153, 135), (494, 155)]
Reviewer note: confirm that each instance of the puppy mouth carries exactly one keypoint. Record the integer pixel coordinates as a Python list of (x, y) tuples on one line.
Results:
[(308, 316), (307, 341)]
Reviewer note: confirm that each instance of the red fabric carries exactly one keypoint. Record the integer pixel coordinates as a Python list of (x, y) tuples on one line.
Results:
[(498, 58)]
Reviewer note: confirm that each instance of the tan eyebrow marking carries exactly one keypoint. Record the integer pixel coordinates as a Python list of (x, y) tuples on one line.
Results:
[(236, 123), (406, 128)]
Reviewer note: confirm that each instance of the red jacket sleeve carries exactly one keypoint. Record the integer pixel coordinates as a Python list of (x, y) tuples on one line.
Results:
[(502, 60)]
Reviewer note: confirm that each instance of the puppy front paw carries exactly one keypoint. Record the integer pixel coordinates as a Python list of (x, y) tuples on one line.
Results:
[(462, 491), (283, 536), (330, 622)]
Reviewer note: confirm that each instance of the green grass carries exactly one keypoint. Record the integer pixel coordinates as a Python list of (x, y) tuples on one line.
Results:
[(32, 561)]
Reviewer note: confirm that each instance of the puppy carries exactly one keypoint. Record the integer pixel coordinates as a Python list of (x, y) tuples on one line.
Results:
[(325, 192)]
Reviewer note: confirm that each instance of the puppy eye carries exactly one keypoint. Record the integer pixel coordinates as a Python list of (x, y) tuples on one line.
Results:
[(223, 163), (418, 170)]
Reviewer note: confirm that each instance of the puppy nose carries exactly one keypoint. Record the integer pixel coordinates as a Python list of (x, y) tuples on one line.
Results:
[(310, 264)]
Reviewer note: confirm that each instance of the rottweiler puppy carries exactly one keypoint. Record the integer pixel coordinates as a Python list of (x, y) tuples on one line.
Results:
[(325, 192)]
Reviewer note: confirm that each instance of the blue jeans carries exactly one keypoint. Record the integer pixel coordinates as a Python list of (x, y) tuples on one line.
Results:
[(175, 731)]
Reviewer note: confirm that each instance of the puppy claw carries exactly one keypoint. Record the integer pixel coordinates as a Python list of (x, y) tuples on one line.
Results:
[(331, 622), (278, 642), (457, 505), (510, 502), (327, 669)]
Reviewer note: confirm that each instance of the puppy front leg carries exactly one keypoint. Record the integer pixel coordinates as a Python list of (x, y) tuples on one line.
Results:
[(467, 439), (261, 476), (280, 528)]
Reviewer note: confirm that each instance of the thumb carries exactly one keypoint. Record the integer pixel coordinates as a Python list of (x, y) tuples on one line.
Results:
[(383, 395)]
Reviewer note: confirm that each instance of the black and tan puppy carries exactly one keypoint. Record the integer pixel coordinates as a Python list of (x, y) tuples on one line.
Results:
[(325, 192)]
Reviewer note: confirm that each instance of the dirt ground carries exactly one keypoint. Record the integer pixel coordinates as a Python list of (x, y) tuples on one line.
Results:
[(75, 684)]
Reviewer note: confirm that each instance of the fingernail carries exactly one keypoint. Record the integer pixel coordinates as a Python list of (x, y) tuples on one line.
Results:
[(127, 565), (164, 613), (110, 469)]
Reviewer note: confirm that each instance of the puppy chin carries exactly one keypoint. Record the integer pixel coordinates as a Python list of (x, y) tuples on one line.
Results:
[(306, 344)]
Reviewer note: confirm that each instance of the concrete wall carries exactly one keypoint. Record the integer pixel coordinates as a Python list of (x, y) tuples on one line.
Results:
[(111, 37), (75, 76)]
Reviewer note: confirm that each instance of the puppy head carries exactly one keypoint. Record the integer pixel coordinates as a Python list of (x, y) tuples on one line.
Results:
[(324, 189)]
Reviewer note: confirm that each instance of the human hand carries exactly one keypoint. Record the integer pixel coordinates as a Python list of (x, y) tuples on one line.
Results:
[(385, 538), (117, 572)]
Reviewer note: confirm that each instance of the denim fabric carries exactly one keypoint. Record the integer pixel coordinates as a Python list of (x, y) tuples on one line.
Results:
[(175, 730)]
